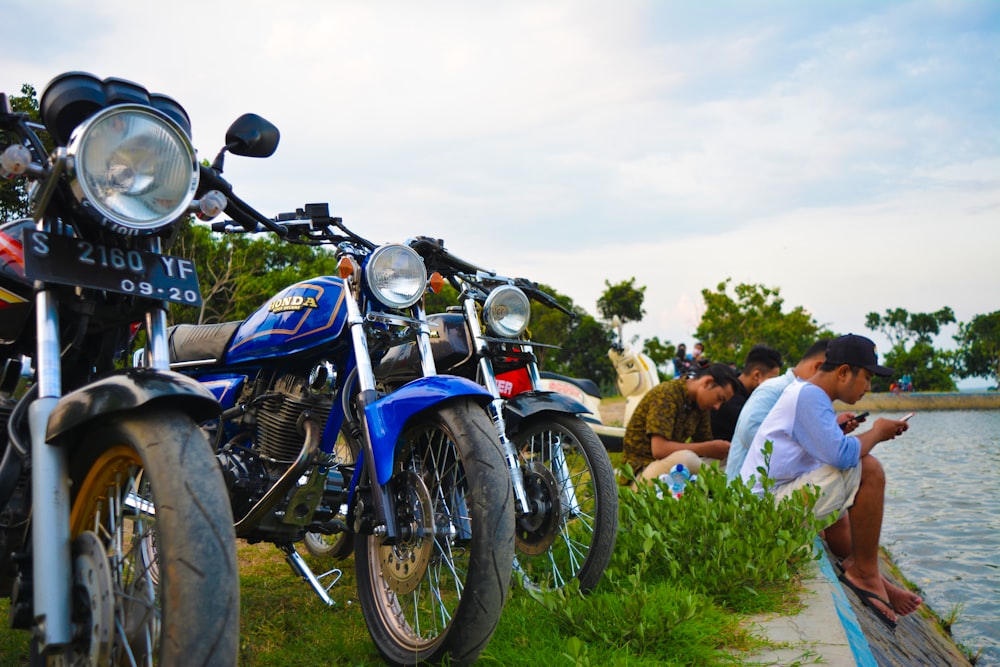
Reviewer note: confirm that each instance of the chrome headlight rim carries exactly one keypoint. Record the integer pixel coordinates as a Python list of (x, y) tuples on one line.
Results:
[(396, 276), (507, 311), (172, 147)]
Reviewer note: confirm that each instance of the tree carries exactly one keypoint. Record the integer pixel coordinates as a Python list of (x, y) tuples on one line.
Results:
[(731, 325), (584, 352), (930, 369), (623, 299), (440, 302), (979, 347), (583, 341), (899, 326), (14, 193), (239, 273), (659, 352)]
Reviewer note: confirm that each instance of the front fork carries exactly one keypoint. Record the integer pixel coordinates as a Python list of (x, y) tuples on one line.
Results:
[(496, 407), (506, 445), (50, 535), (382, 503)]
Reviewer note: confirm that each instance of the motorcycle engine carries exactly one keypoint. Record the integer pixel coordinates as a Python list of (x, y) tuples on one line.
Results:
[(279, 437), (253, 461)]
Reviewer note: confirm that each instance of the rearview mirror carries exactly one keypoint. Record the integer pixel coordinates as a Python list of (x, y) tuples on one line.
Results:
[(252, 136)]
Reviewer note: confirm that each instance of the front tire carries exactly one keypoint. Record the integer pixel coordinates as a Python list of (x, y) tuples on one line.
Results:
[(438, 593), (154, 542), (570, 481)]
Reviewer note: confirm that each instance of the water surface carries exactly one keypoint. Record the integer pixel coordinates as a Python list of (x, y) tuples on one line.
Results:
[(942, 518)]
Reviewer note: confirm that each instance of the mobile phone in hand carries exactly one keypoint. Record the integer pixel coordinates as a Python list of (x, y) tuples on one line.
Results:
[(856, 418)]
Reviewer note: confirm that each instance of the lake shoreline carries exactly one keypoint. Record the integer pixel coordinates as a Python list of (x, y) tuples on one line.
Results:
[(919, 400), (930, 631), (612, 409)]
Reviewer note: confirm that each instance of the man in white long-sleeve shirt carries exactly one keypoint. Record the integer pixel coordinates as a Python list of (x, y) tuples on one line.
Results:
[(809, 448)]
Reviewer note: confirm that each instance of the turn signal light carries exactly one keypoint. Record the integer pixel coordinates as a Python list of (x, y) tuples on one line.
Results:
[(347, 267), (436, 282)]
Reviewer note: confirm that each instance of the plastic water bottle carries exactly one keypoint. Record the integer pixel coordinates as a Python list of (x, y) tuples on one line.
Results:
[(676, 480)]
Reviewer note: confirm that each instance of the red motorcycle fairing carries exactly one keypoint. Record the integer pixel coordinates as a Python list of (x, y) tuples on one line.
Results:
[(16, 292)]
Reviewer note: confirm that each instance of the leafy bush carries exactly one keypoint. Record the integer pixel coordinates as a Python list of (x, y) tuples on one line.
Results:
[(682, 574), (718, 539)]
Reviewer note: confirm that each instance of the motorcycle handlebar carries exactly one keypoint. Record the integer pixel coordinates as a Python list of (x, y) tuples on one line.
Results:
[(531, 289), (437, 258), (247, 216)]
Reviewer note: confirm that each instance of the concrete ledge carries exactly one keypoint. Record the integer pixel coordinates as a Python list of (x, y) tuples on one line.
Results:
[(825, 632), (957, 400)]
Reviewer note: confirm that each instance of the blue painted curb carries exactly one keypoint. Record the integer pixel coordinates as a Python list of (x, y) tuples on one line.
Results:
[(852, 627)]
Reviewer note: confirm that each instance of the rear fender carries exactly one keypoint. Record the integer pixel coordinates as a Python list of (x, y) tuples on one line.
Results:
[(127, 390), (388, 416), (530, 403)]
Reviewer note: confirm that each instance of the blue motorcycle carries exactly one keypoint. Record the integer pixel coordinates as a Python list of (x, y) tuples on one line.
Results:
[(308, 442)]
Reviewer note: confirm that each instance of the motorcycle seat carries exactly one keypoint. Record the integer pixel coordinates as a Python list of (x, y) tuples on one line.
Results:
[(585, 385), (200, 342)]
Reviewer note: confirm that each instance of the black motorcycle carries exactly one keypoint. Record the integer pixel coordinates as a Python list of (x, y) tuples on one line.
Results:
[(116, 537), (566, 495)]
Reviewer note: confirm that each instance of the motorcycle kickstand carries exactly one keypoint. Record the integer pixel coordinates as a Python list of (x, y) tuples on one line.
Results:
[(301, 568)]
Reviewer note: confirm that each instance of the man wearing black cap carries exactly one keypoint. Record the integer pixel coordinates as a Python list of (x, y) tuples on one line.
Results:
[(810, 448)]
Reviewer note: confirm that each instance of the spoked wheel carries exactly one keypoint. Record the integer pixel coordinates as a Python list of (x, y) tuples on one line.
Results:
[(572, 527), (438, 591), (154, 551)]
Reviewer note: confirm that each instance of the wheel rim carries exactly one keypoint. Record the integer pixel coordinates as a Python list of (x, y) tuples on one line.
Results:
[(417, 607), (336, 544), (114, 504), (535, 532), (569, 528)]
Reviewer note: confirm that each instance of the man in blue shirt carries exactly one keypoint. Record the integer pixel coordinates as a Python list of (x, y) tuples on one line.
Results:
[(811, 449), (763, 399)]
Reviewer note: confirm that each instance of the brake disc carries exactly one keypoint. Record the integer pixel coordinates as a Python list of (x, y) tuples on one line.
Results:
[(93, 587), (536, 531), (404, 564)]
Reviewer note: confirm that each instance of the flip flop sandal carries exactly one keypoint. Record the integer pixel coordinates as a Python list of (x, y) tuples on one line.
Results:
[(867, 598)]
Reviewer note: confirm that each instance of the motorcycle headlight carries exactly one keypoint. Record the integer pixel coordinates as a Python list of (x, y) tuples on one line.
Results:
[(135, 166), (396, 275), (507, 311)]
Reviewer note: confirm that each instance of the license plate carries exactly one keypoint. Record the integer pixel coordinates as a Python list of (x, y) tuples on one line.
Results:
[(55, 258)]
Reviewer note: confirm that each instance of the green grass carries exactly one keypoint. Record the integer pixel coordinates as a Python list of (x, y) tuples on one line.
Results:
[(684, 577)]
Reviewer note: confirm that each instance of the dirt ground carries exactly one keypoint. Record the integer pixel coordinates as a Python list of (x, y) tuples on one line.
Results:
[(613, 411)]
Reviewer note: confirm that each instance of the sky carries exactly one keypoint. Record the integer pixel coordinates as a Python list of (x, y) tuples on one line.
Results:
[(845, 152)]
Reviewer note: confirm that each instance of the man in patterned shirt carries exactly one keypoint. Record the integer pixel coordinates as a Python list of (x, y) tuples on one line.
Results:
[(672, 422)]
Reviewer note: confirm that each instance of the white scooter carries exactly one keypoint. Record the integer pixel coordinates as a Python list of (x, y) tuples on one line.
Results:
[(636, 375)]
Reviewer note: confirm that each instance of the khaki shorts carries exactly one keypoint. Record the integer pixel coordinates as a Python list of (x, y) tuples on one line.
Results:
[(837, 488)]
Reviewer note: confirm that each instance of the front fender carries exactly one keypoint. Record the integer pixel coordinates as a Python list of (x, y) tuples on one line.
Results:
[(126, 390), (388, 415), (524, 405)]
